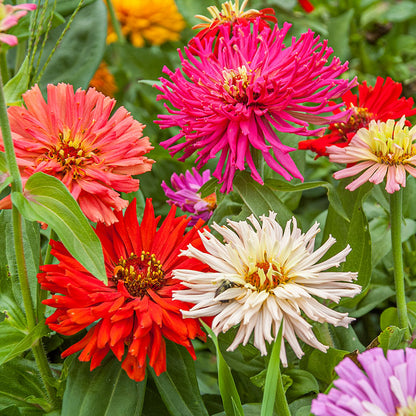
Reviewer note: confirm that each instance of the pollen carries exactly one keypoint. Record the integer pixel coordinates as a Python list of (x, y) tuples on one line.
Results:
[(139, 273), (236, 82), (360, 118), (266, 275)]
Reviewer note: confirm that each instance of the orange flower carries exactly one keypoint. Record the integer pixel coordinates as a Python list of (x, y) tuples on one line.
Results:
[(134, 312), (152, 21), (103, 81), (73, 138)]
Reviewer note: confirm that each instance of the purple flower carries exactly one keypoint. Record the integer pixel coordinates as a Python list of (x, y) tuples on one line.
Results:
[(234, 102), (185, 194), (386, 387)]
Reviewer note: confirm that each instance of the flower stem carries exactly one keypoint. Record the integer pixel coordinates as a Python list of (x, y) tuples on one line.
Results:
[(3, 66), (396, 203), (37, 348), (115, 22)]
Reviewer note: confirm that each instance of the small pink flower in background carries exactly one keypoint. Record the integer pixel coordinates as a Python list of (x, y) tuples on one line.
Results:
[(382, 387), (235, 101), (9, 17), (186, 196), (383, 148), (73, 138)]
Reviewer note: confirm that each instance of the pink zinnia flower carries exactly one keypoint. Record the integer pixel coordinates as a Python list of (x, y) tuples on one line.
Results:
[(186, 196), (382, 387), (232, 102), (9, 17), (73, 138), (380, 149)]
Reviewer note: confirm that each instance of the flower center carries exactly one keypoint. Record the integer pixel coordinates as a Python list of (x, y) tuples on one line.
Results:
[(236, 82), (139, 273), (71, 153), (409, 410), (266, 275), (229, 13), (211, 201), (359, 119)]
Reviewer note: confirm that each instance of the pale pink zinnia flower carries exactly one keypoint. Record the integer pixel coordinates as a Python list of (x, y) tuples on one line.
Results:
[(234, 101), (74, 138), (9, 17), (383, 148), (263, 275)]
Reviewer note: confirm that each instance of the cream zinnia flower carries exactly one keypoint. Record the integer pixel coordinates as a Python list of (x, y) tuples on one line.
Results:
[(262, 274)]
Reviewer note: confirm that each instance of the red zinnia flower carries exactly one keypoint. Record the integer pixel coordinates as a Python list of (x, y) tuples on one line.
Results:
[(135, 310), (73, 138), (380, 103)]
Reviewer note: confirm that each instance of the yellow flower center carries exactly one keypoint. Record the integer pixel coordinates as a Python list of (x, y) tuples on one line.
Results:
[(236, 82), (139, 273), (391, 142), (266, 275), (409, 410), (211, 200)]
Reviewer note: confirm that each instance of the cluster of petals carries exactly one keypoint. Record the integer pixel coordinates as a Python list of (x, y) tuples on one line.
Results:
[(380, 103), (147, 21), (9, 17), (132, 315), (234, 102), (382, 387), (379, 151), (229, 15), (185, 194), (75, 138), (262, 275)]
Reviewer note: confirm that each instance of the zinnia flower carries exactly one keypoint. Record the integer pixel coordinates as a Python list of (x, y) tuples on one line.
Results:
[(231, 14), (232, 102), (152, 21), (185, 194), (73, 138), (306, 5), (383, 387), (103, 81), (380, 103), (262, 274), (134, 312), (379, 150), (9, 17)]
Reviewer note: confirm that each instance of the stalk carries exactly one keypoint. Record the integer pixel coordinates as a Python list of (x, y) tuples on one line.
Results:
[(115, 22)]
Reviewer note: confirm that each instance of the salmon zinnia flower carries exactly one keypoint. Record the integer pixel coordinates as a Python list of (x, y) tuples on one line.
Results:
[(134, 312), (379, 150), (233, 102), (380, 103), (73, 138), (152, 21), (263, 275)]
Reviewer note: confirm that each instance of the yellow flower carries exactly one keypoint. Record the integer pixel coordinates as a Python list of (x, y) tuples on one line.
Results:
[(103, 81), (152, 21)]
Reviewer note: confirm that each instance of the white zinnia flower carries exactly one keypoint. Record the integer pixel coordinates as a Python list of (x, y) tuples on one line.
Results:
[(262, 274)]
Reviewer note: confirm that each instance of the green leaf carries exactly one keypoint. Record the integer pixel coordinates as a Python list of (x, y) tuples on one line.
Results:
[(391, 338), (333, 197), (339, 34), (19, 84), (81, 49), (209, 187), (260, 199), (105, 391), (273, 387), (229, 394), (48, 200), (178, 385), (303, 383), (374, 297)]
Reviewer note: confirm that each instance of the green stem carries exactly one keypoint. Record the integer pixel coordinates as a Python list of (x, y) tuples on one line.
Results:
[(37, 349), (115, 22), (3, 66), (396, 203)]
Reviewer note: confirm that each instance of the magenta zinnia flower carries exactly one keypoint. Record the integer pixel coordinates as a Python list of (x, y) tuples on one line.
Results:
[(386, 387), (382, 149), (74, 138), (9, 17), (232, 102), (186, 196)]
